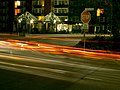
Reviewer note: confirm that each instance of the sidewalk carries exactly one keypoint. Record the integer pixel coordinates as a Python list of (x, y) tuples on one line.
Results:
[(46, 38), (58, 39)]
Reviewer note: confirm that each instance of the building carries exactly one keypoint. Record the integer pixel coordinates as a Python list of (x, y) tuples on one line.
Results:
[(6, 15), (101, 17), (61, 9), (68, 11)]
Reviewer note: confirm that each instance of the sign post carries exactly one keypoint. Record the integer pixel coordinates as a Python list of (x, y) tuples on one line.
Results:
[(85, 18)]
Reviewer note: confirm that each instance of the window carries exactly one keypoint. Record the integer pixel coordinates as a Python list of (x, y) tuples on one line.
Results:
[(55, 10), (40, 17), (62, 10), (73, 19), (60, 2), (66, 2), (43, 3), (0, 3), (0, 25), (65, 10), (23, 10), (0, 18), (36, 2), (22, 3), (17, 11), (37, 10), (55, 2), (103, 27), (7, 17), (32, 2), (102, 19), (4, 18), (4, 3), (17, 3), (3, 25), (4, 11), (0, 11)]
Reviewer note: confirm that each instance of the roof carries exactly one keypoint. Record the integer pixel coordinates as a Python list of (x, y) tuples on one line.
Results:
[(27, 17), (51, 17)]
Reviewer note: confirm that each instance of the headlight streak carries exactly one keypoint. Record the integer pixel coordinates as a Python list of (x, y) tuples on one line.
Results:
[(49, 61), (51, 72), (33, 67), (48, 48)]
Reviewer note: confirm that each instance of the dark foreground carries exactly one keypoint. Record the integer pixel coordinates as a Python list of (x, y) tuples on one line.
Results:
[(10, 80)]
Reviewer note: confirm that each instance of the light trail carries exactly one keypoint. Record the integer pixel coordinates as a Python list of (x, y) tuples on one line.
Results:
[(50, 62), (50, 71), (56, 49)]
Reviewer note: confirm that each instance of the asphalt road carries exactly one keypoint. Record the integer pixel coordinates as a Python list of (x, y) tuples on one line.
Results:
[(23, 69)]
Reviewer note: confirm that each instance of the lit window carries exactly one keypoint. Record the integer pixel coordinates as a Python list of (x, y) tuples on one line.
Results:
[(43, 3), (17, 3), (40, 17), (17, 11), (98, 12), (31, 21), (101, 11)]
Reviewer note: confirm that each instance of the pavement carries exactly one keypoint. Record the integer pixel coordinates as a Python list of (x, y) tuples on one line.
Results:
[(10, 80), (63, 39), (58, 39)]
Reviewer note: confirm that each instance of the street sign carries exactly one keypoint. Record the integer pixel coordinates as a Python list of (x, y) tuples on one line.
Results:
[(89, 9), (85, 16)]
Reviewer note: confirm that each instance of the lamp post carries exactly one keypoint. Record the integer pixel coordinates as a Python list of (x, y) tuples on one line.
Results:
[(52, 20)]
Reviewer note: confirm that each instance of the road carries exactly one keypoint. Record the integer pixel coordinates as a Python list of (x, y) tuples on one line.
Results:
[(42, 66)]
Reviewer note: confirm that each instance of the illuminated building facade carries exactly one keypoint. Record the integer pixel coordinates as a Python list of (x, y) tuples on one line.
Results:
[(66, 10), (61, 9), (41, 8), (36, 7)]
